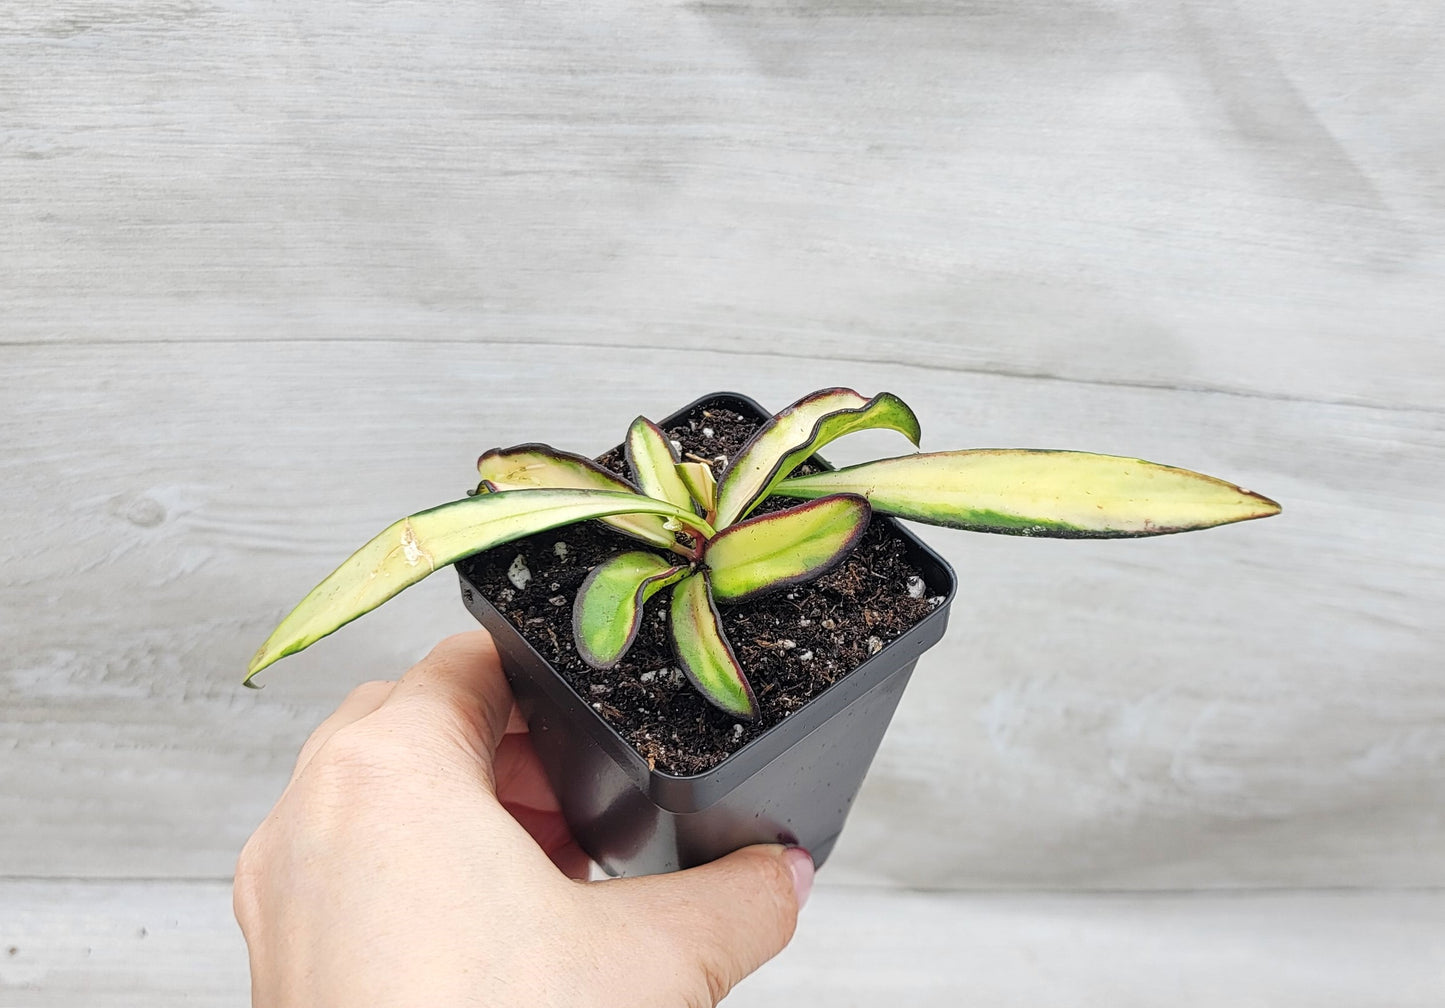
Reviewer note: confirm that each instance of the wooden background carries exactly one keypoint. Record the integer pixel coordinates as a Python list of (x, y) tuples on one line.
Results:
[(274, 274)]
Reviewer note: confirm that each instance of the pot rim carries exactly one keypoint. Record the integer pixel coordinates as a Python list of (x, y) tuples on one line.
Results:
[(668, 788)]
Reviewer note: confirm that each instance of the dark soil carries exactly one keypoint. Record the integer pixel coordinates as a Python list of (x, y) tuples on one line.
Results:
[(794, 644)]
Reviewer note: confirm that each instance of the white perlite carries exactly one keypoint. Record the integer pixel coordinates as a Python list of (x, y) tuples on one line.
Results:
[(670, 676), (560, 549), (519, 573), (875, 645), (916, 587)]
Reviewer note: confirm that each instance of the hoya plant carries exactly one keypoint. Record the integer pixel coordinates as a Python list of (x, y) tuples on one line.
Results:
[(701, 541)]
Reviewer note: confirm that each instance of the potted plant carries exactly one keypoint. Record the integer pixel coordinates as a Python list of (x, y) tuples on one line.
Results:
[(708, 652)]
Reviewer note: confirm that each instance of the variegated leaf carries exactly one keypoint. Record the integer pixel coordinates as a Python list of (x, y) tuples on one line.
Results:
[(797, 432), (538, 466), (703, 651), (701, 484), (1031, 492), (784, 548), (607, 612), (653, 462), (409, 550)]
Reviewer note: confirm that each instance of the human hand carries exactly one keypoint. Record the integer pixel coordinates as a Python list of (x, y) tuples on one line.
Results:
[(418, 857)]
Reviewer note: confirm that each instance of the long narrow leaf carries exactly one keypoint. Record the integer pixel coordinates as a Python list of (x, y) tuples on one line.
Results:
[(654, 463), (796, 433), (785, 548), (1031, 492), (608, 611), (539, 466), (703, 651), (412, 548)]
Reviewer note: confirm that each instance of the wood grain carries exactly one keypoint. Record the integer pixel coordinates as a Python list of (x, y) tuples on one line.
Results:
[(1203, 194), (273, 274), (157, 945), (1251, 706)]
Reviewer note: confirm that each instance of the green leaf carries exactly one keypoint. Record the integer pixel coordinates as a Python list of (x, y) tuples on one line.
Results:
[(785, 548), (608, 611), (539, 466), (1022, 491), (787, 440), (700, 483), (412, 548), (654, 463), (705, 655)]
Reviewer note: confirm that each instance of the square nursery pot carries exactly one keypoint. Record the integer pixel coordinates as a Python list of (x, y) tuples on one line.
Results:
[(792, 784)]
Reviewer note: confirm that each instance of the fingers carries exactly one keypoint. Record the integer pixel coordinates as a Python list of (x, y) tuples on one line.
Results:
[(549, 831), (520, 777), (527, 795), (516, 723), (571, 861), (460, 683), (721, 921), (360, 702)]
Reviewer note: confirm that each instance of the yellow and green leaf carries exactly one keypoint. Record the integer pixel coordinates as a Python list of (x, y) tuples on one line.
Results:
[(654, 463), (540, 466), (703, 651), (785, 548), (608, 610), (408, 550), (1032, 492), (789, 438), (700, 483)]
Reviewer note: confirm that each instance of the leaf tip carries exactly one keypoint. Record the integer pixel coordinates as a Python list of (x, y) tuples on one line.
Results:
[(909, 426), (261, 660), (1264, 506)]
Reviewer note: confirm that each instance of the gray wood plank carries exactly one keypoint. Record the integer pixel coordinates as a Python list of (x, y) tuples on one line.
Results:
[(869, 948), (1202, 194), (117, 945), (1258, 705), (66, 944)]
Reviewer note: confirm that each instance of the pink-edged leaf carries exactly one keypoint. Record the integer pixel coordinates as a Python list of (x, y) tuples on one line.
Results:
[(773, 551), (1035, 492), (703, 650), (653, 462), (407, 551), (608, 610), (786, 441), (537, 466)]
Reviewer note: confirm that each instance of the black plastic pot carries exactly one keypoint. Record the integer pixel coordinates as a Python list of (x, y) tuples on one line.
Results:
[(793, 784)]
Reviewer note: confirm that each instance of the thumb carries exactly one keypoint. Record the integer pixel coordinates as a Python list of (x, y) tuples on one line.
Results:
[(720, 921)]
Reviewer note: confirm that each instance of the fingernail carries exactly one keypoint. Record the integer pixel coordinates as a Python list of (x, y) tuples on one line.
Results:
[(800, 865)]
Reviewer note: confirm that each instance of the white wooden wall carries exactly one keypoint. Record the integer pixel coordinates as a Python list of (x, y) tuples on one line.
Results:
[(272, 274)]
